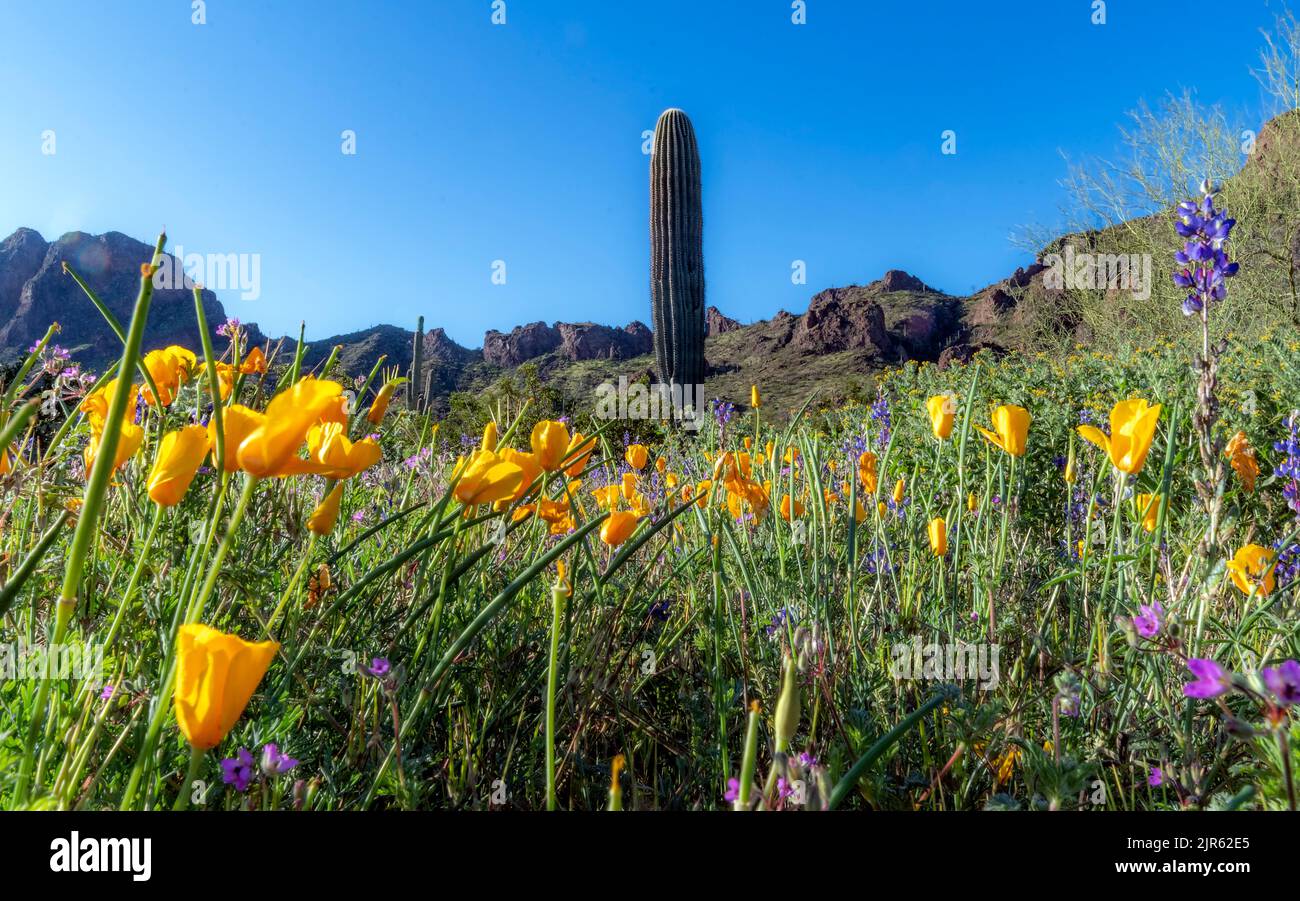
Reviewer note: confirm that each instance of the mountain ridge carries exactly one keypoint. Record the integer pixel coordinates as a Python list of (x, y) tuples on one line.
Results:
[(889, 320)]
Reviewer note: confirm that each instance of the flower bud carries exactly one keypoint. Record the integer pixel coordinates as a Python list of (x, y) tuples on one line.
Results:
[(787, 706)]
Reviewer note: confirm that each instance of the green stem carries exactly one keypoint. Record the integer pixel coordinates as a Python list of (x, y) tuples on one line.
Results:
[(187, 787), (87, 525), (161, 706), (552, 685)]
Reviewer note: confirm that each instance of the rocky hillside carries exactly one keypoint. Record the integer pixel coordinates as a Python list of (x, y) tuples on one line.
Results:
[(845, 334), (35, 291)]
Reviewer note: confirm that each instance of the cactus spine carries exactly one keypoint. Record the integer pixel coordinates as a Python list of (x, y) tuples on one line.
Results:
[(677, 252)]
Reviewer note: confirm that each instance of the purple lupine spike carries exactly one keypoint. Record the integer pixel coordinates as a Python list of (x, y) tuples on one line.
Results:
[(1205, 264)]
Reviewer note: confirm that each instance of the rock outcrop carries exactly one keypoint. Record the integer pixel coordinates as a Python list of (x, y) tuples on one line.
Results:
[(110, 265), (571, 340), (842, 319), (898, 280), (21, 255), (717, 324)]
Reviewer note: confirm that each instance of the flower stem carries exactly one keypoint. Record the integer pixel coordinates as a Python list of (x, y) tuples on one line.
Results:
[(87, 524), (552, 683), (187, 787)]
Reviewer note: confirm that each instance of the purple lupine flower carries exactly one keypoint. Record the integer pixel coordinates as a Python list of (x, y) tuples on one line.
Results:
[(807, 760), (1212, 680), (1157, 777), (229, 328), (1206, 268), (722, 411), (275, 763), (1149, 619), (238, 770), (733, 790), (880, 415), (876, 560), (779, 620), (1284, 682), (1289, 468), (1287, 565)]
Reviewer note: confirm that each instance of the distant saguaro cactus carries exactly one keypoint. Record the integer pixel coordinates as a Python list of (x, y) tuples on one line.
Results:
[(677, 252), (415, 396)]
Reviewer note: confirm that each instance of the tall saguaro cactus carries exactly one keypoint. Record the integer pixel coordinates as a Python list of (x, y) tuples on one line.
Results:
[(415, 397), (677, 252)]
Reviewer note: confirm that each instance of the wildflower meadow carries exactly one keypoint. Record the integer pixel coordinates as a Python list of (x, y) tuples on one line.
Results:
[(1028, 583)]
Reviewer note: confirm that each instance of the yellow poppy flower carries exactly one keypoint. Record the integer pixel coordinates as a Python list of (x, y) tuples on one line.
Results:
[(607, 497), (180, 453), (1010, 429), (550, 443), (237, 423), (579, 452), (629, 485), (553, 511), (785, 508), (379, 406), (943, 410), (1242, 458), (636, 456), (326, 514), (335, 456), (938, 530), (528, 465), (618, 527), (216, 675), (97, 403), (1252, 568), (128, 442), (1148, 507), (254, 363), (867, 472), (702, 489), (488, 478), (1132, 429), (168, 368), (271, 449), (225, 379)]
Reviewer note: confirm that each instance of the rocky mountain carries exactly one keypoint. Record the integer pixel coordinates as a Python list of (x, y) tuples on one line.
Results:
[(571, 340), (35, 291), (845, 333)]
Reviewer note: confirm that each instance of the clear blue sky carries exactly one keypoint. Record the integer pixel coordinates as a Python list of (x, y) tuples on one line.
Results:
[(522, 142)]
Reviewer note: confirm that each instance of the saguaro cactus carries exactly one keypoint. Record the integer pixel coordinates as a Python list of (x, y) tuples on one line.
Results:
[(677, 252), (415, 395)]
